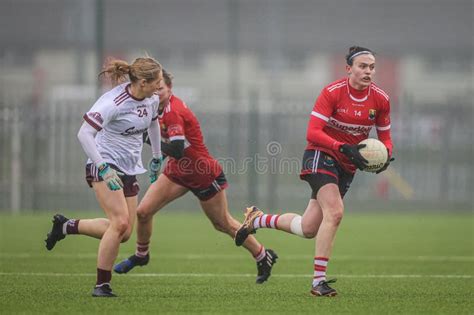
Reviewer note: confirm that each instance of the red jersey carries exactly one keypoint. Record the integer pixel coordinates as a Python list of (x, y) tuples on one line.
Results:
[(197, 168), (343, 114)]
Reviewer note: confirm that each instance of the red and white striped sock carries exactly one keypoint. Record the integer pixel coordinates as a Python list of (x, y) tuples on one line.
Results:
[(142, 249), (320, 265), (261, 254), (269, 221)]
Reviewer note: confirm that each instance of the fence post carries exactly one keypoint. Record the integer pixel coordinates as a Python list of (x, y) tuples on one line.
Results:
[(253, 147), (15, 197)]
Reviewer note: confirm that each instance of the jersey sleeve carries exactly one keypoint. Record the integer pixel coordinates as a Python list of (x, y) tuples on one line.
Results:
[(383, 126), (323, 109), (156, 105), (175, 126), (324, 106), (101, 113)]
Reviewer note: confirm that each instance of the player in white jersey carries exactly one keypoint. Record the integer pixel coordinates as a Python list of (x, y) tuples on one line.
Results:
[(111, 136)]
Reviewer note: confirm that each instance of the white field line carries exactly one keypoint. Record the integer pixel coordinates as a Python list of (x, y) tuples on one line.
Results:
[(244, 257), (230, 275)]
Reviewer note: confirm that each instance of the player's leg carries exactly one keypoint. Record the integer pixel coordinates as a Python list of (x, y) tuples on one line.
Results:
[(90, 227), (159, 194), (63, 226), (115, 206), (216, 210), (130, 191), (305, 226), (132, 203), (332, 208), (329, 197), (214, 204)]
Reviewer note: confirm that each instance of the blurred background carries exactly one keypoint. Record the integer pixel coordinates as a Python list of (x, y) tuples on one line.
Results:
[(251, 71)]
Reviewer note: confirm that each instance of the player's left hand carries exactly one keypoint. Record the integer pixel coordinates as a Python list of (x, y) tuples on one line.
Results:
[(154, 166), (389, 160)]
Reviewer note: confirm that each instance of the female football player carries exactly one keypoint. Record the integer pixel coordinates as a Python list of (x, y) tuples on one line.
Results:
[(111, 136), (190, 167), (342, 116)]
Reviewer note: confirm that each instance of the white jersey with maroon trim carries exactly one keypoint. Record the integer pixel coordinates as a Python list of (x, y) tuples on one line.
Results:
[(120, 120), (350, 115)]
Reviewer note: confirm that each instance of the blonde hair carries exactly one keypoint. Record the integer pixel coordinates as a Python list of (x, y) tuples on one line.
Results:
[(142, 68)]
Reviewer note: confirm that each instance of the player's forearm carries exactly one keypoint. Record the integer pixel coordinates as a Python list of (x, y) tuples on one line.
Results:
[(155, 139), (174, 149), (86, 136), (386, 138), (316, 135)]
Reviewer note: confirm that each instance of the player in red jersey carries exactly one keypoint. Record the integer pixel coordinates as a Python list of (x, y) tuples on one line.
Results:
[(343, 115), (190, 167)]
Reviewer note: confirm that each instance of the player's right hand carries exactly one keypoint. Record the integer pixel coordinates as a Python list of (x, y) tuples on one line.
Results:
[(110, 177), (389, 160), (154, 167), (352, 152)]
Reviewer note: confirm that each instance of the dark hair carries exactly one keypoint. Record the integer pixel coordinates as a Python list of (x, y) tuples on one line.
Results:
[(168, 78), (355, 50)]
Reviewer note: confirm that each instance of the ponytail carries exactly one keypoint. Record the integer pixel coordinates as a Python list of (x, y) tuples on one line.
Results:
[(117, 71)]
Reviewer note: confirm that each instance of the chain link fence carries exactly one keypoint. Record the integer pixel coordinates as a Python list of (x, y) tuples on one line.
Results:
[(42, 165)]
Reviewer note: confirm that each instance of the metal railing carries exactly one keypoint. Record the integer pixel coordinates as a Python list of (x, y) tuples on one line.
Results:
[(42, 162)]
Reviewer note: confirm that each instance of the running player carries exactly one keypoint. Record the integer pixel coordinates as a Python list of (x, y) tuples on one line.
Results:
[(111, 136), (343, 115), (190, 167)]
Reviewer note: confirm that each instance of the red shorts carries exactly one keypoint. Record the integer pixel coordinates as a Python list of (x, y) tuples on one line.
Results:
[(130, 183), (204, 192)]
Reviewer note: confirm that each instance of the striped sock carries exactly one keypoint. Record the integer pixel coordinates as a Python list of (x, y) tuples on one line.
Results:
[(320, 265), (261, 254), (269, 221), (71, 227), (142, 249)]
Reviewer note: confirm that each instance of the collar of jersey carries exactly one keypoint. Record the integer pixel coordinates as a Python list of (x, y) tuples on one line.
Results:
[(356, 95)]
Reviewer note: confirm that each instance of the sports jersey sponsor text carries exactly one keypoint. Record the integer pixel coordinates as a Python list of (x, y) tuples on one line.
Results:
[(349, 128), (131, 131)]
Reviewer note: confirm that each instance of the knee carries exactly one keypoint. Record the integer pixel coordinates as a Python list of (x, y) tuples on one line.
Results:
[(335, 214), (309, 232), (121, 225), (222, 226), (126, 236), (143, 216), (299, 227), (219, 226)]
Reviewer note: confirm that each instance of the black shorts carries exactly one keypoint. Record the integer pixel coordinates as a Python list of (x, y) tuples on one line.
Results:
[(319, 169), (204, 193), (130, 183)]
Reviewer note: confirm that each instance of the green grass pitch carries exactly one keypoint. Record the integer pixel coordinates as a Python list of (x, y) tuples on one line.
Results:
[(410, 263)]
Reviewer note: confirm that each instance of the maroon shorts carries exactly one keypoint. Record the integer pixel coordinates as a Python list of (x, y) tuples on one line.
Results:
[(206, 192), (130, 183)]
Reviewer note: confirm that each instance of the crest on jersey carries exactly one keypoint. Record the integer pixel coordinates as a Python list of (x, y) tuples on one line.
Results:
[(328, 161), (372, 114), (97, 117), (163, 126)]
